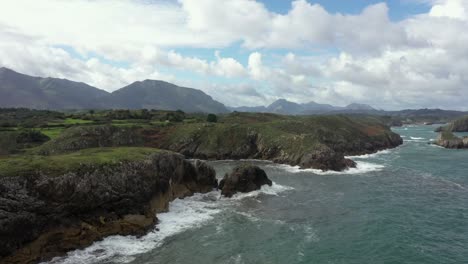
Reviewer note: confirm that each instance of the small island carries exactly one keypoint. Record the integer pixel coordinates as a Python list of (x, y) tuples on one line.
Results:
[(448, 139)]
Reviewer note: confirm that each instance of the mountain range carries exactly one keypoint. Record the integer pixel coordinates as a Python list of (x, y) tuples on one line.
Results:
[(283, 106), (20, 90)]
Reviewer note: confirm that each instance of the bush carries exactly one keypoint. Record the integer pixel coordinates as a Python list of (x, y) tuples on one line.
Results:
[(212, 118)]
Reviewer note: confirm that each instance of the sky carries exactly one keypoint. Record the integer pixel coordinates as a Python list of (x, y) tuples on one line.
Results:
[(392, 55)]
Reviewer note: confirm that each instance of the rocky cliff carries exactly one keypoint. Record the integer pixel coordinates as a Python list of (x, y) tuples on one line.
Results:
[(319, 142), (459, 125), (50, 205), (447, 139), (243, 178)]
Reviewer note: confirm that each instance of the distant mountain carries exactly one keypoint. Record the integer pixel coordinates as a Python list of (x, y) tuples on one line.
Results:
[(253, 109), (363, 107), (20, 90), (151, 94), (283, 106)]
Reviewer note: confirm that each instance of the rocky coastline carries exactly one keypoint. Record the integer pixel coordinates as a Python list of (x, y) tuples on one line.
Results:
[(316, 142), (45, 214), (449, 140)]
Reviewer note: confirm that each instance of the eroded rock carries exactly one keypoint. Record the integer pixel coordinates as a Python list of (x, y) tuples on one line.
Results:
[(43, 216), (243, 178)]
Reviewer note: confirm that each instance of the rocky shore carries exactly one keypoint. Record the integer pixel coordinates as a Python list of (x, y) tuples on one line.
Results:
[(309, 142), (458, 125), (47, 211), (447, 139), (243, 178)]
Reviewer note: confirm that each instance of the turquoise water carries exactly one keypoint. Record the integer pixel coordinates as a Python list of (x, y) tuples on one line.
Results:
[(407, 205)]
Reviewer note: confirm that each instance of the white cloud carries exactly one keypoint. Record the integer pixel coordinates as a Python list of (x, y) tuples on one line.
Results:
[(420, 61), (453, 9)]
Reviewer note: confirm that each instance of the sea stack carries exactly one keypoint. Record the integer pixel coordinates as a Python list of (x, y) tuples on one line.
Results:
[(243, 178)]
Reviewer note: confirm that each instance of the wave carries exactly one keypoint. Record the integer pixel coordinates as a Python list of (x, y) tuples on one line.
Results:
[(184, 214), (372, 155), (417, 138), (361, 168)]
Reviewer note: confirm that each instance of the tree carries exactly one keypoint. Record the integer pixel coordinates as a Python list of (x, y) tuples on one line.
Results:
[(212, 118)]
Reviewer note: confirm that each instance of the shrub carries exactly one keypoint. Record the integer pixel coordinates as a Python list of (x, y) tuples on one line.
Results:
[(212, 118)]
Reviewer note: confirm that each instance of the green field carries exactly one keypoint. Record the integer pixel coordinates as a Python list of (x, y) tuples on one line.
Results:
[(53, 165)]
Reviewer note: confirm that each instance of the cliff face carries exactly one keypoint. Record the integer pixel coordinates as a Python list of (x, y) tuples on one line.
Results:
[(319, 142), (83, 137), (447, 139), (45, 213), (312, 142), (459, 125)]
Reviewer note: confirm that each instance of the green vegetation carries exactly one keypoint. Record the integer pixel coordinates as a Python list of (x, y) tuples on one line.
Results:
[(16, 140), (242, 134), (236, 135), (447, 135), (54, 165), (51, 132), (212, 118), (459, 125), (71, 121)]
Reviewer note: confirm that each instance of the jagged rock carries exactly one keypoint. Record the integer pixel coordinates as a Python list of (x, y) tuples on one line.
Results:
[(459, 125), (43, 215), (324, 158), (447, 139), (243, 178)]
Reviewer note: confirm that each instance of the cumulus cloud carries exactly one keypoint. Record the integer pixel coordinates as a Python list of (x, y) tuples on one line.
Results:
[(420, 61)]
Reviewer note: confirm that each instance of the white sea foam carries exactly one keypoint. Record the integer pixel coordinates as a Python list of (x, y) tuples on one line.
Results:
[(372, 155), (274, 190), (417, 138), (361, 168), (184, 214)]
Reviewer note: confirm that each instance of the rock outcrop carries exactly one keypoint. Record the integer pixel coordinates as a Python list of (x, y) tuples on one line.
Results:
[(16, 141), (83, 137), (324, 158), (447, 139), (44, 214), (459, 125), (319, 142), (243, 178)]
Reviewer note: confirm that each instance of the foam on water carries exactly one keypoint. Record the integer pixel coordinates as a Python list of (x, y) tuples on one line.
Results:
[(417, 138), (183, 214), (372, 155), (361, 168)]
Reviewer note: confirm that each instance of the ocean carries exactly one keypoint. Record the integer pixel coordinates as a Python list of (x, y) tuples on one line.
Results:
[(404, 205)]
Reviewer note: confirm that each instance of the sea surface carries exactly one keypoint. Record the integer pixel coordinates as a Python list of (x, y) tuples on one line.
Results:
[(405, 205)]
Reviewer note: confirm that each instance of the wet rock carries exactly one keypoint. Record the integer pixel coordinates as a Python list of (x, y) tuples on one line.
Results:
[(243, 178), (324, 158), (43, 216)]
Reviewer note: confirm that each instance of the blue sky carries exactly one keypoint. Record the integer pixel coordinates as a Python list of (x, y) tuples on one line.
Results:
[(390, 54), (399, 9)]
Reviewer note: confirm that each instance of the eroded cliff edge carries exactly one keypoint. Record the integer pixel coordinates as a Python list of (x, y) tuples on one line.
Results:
[(319, 142), (50, 205)]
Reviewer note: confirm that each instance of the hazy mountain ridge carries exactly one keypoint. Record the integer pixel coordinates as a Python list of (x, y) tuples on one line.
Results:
[(21, 90), (283, 106)]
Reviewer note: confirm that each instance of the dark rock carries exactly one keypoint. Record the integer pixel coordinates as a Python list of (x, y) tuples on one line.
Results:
[(42, 216), (244, 178), (447, 139), (324, 158)]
